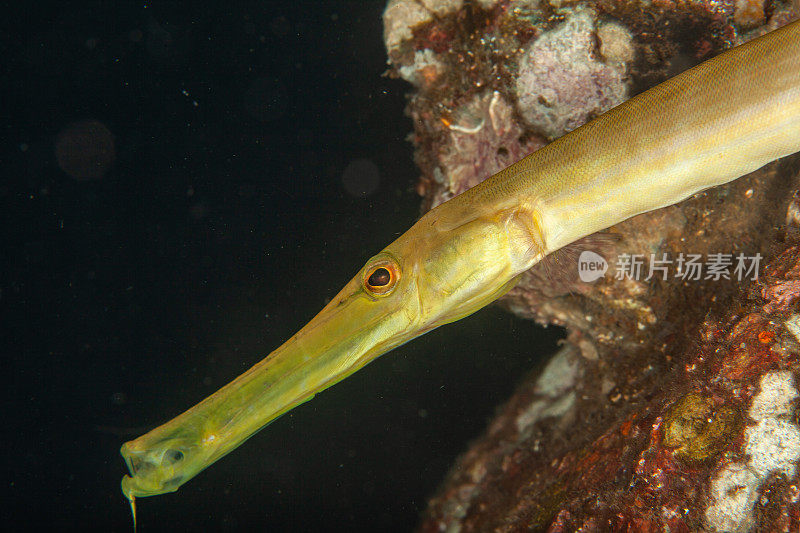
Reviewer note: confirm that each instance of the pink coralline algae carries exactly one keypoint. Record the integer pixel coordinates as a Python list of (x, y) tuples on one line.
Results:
[(562, 82)]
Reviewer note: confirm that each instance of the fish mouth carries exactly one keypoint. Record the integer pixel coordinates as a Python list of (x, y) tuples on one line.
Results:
[(150, 476)]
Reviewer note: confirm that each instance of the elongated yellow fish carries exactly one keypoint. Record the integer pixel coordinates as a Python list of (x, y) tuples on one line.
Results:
[(707, 126)]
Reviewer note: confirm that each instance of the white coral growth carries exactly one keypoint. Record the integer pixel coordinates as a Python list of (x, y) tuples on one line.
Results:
[(772, 445)]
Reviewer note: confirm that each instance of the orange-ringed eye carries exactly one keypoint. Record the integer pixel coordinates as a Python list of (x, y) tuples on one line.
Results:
[(381, 279)]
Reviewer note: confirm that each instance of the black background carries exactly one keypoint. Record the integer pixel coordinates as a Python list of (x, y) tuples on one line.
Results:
[(222, 227)]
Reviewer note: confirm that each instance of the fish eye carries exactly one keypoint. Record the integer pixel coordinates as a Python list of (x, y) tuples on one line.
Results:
[(172, 456), (381, 278)]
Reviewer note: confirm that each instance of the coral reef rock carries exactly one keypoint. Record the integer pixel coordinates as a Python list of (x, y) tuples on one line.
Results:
[(673, 404)]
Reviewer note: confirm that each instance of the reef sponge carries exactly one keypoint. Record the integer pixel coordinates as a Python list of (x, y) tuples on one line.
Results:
[(562, 83), (697, 428)]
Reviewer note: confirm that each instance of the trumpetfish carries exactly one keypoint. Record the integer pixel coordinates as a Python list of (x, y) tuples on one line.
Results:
[(704, 127)]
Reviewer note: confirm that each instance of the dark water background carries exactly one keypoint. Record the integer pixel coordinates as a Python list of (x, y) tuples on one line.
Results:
[(222, 226)]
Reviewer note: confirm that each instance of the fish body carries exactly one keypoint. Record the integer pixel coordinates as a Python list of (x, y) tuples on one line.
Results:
[(705, 127)]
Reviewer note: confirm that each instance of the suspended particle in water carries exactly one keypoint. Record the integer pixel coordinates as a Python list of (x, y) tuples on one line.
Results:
[(85, 149), (361, 178)]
